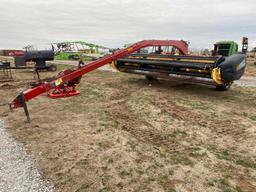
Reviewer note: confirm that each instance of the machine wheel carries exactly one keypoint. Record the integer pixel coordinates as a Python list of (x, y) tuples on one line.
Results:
[(73, 57), (151, 78), (52, 68), (224, 87)]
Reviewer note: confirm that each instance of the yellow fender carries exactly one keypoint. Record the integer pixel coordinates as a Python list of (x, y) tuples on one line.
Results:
[(216, 76)]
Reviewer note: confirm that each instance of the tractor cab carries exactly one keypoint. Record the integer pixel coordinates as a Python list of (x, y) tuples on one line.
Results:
[(225, 48)]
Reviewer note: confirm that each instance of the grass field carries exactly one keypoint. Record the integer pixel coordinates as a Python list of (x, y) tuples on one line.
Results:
[(124, 133)]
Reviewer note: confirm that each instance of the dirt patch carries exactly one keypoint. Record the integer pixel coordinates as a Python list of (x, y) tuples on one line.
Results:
[(251, 69), (247, 81), (124, 133)]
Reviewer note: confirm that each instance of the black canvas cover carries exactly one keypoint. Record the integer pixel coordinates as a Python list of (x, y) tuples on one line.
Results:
[(233, 67)]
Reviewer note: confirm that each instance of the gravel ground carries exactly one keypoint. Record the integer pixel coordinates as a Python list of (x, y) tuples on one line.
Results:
[(246, 81), (18, 172)]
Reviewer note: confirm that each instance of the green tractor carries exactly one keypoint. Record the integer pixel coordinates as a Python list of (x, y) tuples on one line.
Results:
[(228, 48), (225, 48)]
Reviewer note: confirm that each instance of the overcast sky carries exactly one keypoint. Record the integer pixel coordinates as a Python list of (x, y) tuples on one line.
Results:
[(115, 22)]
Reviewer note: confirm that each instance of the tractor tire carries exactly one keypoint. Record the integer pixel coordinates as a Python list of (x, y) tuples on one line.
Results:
[(73, 57), (151, 78), (52, 68), (224, 87)]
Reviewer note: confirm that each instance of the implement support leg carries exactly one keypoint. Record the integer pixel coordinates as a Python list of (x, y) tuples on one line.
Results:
[(24, 105)]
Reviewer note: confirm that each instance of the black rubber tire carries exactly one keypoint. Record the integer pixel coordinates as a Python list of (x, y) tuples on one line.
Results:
[(151, 78), (52, 68), (73, 57), (224, 87)]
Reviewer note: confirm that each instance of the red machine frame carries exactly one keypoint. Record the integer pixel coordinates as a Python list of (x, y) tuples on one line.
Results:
[(59, 84)]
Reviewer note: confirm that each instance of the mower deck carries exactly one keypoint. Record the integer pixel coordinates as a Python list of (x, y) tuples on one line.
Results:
[(197, 69)]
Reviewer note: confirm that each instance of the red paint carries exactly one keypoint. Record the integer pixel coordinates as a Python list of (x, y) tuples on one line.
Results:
[(12, 53)]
